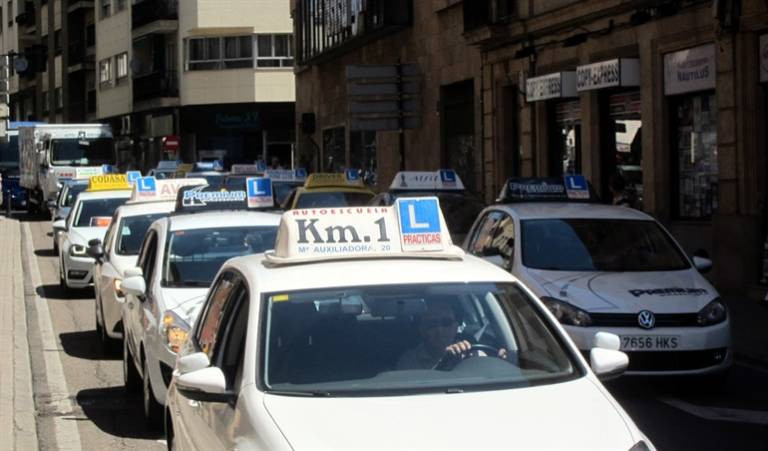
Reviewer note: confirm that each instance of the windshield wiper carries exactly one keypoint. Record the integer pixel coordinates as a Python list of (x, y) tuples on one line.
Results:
[(308, 394)]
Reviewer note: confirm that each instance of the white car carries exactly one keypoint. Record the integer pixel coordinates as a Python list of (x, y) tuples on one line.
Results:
[(337, 340), (151, 200), (90, 216), (61, 207), (608, 268), (178, 259)]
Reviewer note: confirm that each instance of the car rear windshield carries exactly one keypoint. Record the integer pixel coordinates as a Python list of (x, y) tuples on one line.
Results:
[(193, 257), (96, 208), (131, 232), (383, 340), (598, 245), (332, 199)]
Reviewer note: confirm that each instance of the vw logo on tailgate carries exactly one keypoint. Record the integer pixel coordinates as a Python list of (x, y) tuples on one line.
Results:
[(646, 320)]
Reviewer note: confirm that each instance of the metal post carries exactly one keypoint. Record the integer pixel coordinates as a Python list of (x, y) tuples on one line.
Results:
[(400, 118)]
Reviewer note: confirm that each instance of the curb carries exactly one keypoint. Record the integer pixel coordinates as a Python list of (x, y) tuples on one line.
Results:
[(17, 408)]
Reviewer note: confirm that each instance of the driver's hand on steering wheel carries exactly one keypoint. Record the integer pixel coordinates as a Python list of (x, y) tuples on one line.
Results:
[(464, 348)]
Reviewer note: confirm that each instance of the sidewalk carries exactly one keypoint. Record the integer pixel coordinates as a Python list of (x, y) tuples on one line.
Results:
[(749, 329), (18, 429)]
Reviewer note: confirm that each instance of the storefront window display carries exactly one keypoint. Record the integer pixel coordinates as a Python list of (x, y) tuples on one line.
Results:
[(625, 144), (695, 153)]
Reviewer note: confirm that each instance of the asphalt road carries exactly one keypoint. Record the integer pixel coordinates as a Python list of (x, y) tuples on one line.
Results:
[(676, 414)]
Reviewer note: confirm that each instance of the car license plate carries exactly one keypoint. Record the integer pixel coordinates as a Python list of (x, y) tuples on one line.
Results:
[(649, 342)]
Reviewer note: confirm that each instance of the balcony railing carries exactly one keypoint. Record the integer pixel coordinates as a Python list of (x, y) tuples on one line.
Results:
[(323, 26), (155, 85), (482, 13), (148, 11)]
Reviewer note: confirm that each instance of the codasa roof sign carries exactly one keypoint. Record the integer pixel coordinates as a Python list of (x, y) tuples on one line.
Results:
[(329, 180), (442, 180), (149, 189), (108, 182), (413, 227)]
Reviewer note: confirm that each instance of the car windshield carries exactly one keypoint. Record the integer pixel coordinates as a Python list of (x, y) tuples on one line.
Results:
[(460, 210), (71, 195), (9, 152), (598, 245), (86, 152), (388, 339), (193, 257), (332, 199), (131, 232), (281, 190), (97, 212)]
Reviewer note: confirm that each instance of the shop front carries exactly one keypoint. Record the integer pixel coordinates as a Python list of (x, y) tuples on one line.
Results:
[(563, 120), (616, 83)]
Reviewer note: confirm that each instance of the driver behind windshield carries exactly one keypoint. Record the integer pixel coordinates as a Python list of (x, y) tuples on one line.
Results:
[(440, 340)]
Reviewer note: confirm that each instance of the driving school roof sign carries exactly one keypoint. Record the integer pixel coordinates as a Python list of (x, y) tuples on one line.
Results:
[(149, 189), (108, 182), (259, 192), (442, 180), (413, 227)]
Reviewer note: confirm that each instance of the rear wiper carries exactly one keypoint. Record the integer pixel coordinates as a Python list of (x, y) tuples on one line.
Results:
[(308, 394)]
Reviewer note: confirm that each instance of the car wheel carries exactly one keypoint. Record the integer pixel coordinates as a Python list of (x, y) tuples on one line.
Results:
[(153, 411), (130, 375)]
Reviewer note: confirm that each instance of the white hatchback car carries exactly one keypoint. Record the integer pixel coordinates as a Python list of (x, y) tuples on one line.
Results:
[(353, 335), (151, 200), (90, 216), (608, 268), (178, 259)]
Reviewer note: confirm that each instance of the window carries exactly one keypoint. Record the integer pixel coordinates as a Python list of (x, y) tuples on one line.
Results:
[(106, 8), (1, 20), (93, 209), (483, 233), (57, 42), (147, 256), (695, 153), (59, 98), (10, 13), (46, 101), (274, 50), (105, 71), (120, 5), (231, 52), (122, 65), (214, 308), (131, 231)]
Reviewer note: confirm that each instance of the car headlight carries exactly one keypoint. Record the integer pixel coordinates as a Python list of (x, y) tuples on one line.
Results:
[(174, 330), (713, 313), (566, 313), (118, 284), (76, 250)]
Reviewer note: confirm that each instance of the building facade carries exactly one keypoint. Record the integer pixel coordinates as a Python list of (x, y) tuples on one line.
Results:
[(667, 96), (197, 79)]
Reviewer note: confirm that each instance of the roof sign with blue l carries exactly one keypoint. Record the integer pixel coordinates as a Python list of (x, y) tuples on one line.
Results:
[(259, 191), (420, 227)]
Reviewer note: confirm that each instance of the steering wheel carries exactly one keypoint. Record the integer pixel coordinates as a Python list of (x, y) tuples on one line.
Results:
[(450, 360)]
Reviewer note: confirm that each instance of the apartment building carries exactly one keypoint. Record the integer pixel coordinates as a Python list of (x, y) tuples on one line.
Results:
[(669, 95), (196, 79)]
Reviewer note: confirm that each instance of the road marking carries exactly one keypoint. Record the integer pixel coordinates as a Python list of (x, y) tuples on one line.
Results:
[(67, 433), (720, 413)]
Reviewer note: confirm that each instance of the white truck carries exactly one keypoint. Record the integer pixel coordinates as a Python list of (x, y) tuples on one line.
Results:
[(52, 153)]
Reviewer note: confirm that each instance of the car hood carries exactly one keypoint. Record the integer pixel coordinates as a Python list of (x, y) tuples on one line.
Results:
[(572, 415), (684, 291), (185, 302), (82, 235)]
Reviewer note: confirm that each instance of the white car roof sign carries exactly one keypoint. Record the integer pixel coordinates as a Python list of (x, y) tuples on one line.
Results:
[(133, 176), (412, 228), (570, 188), (286, 175), (168, 164), (208, 198), (441, 180), (149, 189), (245, 169), (259, 192)]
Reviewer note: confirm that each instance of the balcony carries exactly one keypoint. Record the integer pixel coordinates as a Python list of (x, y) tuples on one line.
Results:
[(80, 5), (154, 16), (26, 19), (486, 21), (325, 30), (77, 54), (156, 85)]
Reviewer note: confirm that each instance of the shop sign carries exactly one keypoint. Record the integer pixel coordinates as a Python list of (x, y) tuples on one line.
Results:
[(552, 86), (608, 74), (764, 58), (690, 70)]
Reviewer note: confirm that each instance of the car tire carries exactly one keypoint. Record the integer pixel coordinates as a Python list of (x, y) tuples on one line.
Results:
[(131, 378), (153, 411)]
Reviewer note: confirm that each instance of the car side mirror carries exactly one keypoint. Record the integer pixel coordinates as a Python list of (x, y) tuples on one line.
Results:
[(193, 362), (134, 285), (95, 249), (136, 271), (606, 360), (206, 385), (60, 225), (51, 204), (703, 265)]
